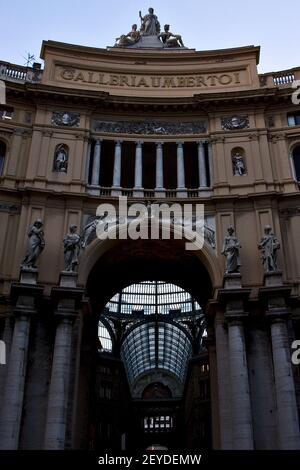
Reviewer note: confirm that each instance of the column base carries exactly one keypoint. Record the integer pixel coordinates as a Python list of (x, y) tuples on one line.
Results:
[(116, 191), (68, 279), (181, 192), (160, 192), (28, 275), (232, 281), (138, 192), (273, 278), (204, 191), (93, 189)]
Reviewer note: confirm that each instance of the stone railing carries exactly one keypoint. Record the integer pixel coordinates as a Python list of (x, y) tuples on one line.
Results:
[(279, 79), (18, 73), (150, 193)]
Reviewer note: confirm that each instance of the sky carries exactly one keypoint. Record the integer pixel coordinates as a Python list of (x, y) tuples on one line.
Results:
[(273, 25)]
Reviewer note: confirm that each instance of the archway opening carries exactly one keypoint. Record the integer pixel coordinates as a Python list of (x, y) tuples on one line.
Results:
[(146, 365)]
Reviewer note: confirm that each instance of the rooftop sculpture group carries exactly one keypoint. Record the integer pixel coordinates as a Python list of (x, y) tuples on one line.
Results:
[(150, 26)]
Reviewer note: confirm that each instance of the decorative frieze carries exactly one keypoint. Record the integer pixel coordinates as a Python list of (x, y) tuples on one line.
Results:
[(64, 118), (230, 123), (151, 127)]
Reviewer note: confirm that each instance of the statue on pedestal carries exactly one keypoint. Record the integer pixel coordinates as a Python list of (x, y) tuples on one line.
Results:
[(150, 25), (128, 39), (36, 244), (238, 164), (269, 246), (71, 249), (231, 249), (170, 39)]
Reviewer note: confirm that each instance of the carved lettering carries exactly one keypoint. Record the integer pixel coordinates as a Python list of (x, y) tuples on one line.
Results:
[(134, 81), (168, 82), (225, 79), (155, 82), (142, 82), (79, 77), (67, 74)]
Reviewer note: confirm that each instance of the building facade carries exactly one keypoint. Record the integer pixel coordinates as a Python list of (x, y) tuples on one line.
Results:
[(156, 122)]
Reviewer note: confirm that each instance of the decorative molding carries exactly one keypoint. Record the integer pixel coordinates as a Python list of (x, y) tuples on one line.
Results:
[(10, 208), (290, 212), (230, 123), (66, 119), (151, 127)]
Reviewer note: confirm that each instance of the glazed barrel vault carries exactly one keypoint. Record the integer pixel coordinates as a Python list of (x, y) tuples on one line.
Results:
[(113, 344)]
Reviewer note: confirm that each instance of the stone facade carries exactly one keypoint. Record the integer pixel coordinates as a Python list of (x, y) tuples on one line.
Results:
[(153, 125)]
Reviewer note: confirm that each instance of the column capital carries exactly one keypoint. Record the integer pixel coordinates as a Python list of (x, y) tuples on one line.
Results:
[(119, 142), (98, 141), (201, 142), (139, 143), (179, 143), (159, 144)]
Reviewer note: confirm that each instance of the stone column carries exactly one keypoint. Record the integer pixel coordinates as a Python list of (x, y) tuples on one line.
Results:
[(287, 413), (116, 187), (138, 169), (88, 161), (202, 165), (96, 164), (159, 180), (210, 164), (68, 296), (12, 404), (242, 431), (181, 189), (59, 385), (224, 388)]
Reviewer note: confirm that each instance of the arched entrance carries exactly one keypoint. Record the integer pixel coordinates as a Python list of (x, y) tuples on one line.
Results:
[(118, 410)]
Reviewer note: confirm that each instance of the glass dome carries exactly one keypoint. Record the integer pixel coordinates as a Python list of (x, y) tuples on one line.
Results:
[(151, 297), (156, 318)]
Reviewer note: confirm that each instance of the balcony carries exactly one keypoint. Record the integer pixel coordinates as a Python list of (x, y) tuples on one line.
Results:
[(20, 74)]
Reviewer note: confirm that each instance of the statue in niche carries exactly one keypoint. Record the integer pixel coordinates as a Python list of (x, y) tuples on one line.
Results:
[(150, 25), (169, 39), (269, 246), (61, 159), (239, 168), (128, 39), (71, 249), (231, 249), (35, 246)]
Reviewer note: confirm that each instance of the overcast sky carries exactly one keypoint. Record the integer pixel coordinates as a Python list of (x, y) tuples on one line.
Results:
[(274, 25)]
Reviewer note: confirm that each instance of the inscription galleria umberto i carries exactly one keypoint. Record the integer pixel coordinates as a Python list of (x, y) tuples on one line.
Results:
[(136, 81), (124, 343)]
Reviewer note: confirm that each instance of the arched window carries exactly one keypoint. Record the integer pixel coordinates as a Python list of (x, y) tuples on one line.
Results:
[(2, 156), (296, 162), (104, 338), (238, 161), (61, 158)]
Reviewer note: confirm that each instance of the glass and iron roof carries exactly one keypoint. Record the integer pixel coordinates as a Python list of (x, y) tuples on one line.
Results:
[(156, 336), (153, 297), (153, 346)]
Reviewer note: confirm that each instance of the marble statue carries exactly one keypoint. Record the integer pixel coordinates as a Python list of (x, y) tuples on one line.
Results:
[(231, 249), (170, 39), (35, 246), (238, 163), (269, 246), (128, 39), (61, 160), (150, 25), (71, 249)]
